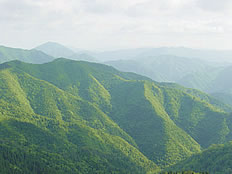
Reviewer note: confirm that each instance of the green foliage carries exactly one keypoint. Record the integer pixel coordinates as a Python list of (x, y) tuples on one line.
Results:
[(80, 117), (61, 132), (207, 124), (184, 172), (216, 159)]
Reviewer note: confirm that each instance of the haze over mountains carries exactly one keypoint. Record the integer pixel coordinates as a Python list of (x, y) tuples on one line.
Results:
[(191, 68), (57, 50), (200, 69)]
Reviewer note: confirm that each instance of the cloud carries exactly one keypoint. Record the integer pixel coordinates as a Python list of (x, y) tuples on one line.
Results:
[(110, 23), (215, 5)]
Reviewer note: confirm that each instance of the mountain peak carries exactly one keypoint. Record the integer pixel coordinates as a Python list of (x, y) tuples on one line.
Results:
[(55, 49)]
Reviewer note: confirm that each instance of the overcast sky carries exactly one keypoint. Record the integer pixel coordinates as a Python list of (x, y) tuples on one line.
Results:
[(114, 24)]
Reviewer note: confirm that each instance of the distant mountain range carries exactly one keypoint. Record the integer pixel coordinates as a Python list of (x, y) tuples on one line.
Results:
[(215, 82), (188, 67), (57, 50), (163, 68), (70, 116), (207, 55)]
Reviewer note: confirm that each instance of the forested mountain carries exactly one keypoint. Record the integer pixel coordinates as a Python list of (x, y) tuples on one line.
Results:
[(47, 130), (74, 116), (30, 56), (217, 160), (212, 78), (160, 64)]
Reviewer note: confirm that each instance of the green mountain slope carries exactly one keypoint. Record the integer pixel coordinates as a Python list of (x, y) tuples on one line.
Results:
[(165, 123), (30, 56), (216, 160), (190, 72), (59, 132)]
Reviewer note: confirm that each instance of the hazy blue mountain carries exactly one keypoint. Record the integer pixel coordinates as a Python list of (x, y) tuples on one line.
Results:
[(30, 56), (163, 68), (215, 82), (123, 54), (209, 55), (55, 49), (202, 79), (82, 56)]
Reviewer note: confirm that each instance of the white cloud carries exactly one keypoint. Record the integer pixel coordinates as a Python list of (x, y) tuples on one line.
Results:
[(215, 5), (110, 23)]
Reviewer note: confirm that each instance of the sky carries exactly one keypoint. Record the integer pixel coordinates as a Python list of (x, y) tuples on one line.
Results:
[(117, 24)]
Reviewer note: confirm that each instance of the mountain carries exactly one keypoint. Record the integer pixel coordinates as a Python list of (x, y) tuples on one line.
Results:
[(76, 116), (215, 82), (212, 78), (221, 56), (45, 129), (82, 56), (205, 54), (30, 56), (217, 160), (163, 68), (57, 50), (124, 54)]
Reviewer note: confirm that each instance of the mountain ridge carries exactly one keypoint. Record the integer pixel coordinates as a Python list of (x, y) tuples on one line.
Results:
[(104, 113)]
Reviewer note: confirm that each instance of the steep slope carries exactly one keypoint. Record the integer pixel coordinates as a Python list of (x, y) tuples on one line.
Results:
[(140, 113), (199, 94), (45, 129), (216, 160), (166, 123), (30, 56), (167, 65)]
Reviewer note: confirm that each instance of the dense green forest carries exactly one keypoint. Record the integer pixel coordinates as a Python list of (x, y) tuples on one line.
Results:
[(216, 159), (79, 117)]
